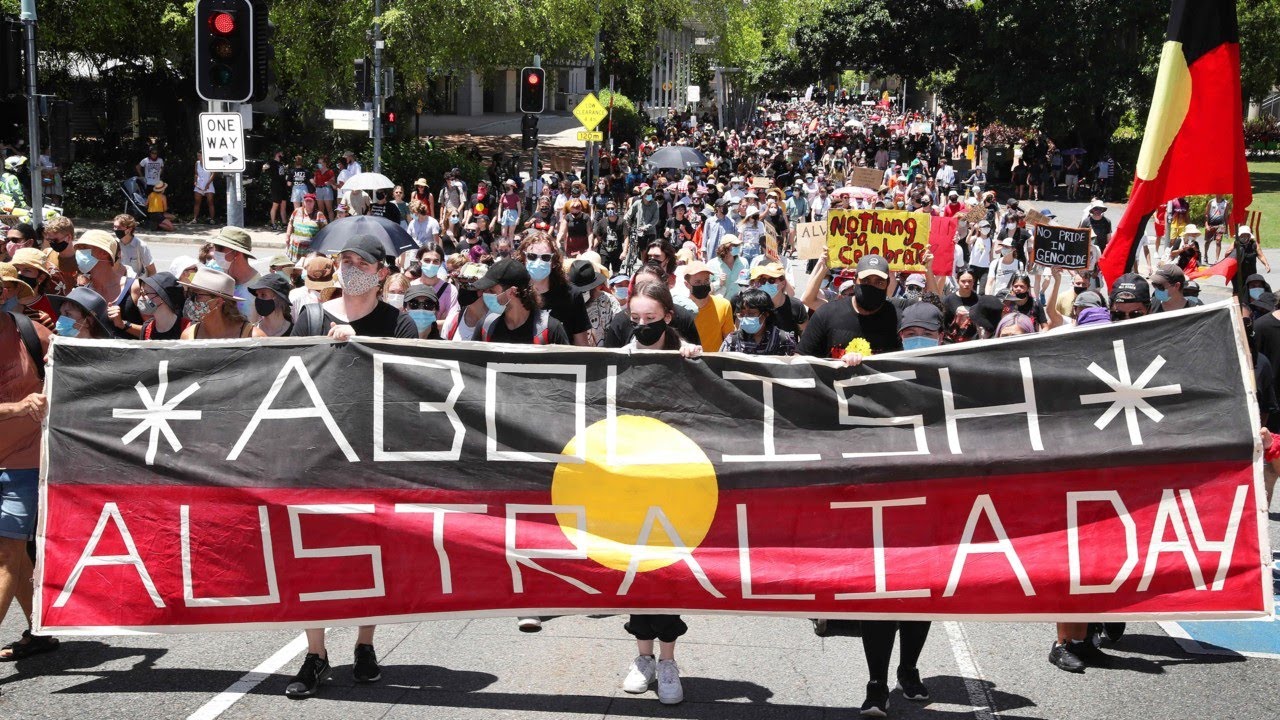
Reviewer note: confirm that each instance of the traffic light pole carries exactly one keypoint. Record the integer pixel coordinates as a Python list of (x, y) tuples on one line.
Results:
[(33, 114), (533, 169), (377, 85)]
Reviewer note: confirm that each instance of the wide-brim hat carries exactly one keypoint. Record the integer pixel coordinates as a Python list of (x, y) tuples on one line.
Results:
[(166, 285), (160, 186), (9, 276), (234, 238), (32, 258), (101, 240), (90, 301), (584, 277), (213, 282)]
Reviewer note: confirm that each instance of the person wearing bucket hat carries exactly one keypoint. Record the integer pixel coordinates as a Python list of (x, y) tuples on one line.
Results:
[(362, 268), (97, 257), (233, 249), (23, 346), (271, 300), (161, 302), (34, 269), (82, 313), (1096, 220), (1248, 252), (213, 308), (589, 279)]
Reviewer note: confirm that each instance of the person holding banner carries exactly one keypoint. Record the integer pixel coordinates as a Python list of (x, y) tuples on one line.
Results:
[(866, 314), (757, 331), (1166, 289)]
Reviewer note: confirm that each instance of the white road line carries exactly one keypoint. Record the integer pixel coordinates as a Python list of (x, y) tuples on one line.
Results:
[(974, 682), (225, 699)]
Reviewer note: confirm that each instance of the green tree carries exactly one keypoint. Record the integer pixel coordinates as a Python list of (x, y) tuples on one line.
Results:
[(1259, 47)]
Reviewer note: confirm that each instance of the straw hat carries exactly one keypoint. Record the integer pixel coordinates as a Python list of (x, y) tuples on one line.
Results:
[(214, 283), (9, 276), (101, 240)]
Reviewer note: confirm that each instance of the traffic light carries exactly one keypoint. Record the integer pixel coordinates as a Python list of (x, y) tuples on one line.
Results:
[(533, 90), (529, 132), (362, 79), (263, 52), (12, 71), (389, 118), (225, 63)]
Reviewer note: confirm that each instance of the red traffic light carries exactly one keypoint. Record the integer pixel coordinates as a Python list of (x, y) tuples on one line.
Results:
[(533, 79), (391, 117), (222, 23)]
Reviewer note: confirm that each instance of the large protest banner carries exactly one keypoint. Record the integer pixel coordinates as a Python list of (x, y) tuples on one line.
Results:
[(300, 482)]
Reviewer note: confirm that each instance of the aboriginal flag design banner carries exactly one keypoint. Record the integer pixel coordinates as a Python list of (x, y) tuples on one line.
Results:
[(1194, 139), (290, 483)]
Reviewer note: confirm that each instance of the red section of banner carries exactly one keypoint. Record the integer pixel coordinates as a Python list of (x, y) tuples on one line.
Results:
[(1147, 542), (942, 243)]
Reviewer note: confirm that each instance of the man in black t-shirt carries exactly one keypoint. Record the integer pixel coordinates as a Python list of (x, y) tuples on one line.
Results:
[(866, 314), (274, 171), (514, 312), (362, 268)]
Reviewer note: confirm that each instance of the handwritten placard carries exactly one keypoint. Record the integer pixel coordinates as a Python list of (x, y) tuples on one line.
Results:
[(811, 239), (898, 236), (1061, 247)]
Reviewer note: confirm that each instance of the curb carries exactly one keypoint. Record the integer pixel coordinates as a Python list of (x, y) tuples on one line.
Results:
[(262, 237)]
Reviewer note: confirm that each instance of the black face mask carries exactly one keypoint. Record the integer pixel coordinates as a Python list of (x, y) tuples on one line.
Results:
[(700, 291), (120, 234), (467, 297), (1020, 295), (870, 297), (651, 333), (1079, 288), (58, 245), (264, 306)]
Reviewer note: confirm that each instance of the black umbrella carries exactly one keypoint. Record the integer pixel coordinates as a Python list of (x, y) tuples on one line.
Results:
[(676, 157), (334, 236)]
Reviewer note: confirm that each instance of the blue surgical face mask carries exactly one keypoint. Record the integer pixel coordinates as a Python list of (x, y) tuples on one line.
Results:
[(918, 342), (424, 319), (1254, 293), (85, 260), (10, 305), (1163, 295), (621, 292), (430, 270), (538, 269), (66, 327), (749, 325), (770, 289), (491, 302)]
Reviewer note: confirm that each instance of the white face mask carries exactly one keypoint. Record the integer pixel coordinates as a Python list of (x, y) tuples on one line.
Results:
[(395, 300)]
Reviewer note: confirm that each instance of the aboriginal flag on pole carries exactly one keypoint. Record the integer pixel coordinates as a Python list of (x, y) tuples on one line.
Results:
[(1194, 141)]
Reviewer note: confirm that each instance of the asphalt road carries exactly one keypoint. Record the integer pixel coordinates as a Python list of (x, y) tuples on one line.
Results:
[(751, 668)]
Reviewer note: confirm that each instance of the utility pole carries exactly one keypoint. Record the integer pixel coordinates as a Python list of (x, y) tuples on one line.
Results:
[(533, 170), (33, 113), (594, 165), (377, 85)]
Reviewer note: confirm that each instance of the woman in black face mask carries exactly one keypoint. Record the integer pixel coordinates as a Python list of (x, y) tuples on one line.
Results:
[(271, 300), (1020, 290)]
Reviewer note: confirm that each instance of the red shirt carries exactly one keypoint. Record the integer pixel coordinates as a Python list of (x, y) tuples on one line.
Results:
[(322, 178)]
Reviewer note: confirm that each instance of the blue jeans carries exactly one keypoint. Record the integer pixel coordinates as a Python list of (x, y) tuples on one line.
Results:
[(19, 494)]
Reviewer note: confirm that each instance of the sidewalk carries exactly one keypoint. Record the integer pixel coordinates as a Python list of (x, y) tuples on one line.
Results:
[(193, 235)]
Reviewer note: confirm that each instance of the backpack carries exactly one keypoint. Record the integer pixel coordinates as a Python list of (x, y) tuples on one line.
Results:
[(30, 340), (541, 328)]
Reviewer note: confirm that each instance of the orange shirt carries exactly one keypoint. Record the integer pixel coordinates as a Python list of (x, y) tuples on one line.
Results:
[(714, 323), (19, 436)]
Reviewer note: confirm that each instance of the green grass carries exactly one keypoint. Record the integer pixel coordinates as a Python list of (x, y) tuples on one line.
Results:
[(1266, 199)]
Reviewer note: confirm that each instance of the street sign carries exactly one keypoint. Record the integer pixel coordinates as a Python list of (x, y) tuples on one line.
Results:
[(590, 112), (222, 141), (694, 93), (354, 115), (590, 136)]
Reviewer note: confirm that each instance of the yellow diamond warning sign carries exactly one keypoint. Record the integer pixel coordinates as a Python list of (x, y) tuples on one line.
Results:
[(590, 112)]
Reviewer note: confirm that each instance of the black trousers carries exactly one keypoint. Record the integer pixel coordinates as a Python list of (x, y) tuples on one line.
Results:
[(877, 644)]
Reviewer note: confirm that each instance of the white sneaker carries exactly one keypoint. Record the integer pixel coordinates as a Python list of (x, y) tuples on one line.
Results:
[(641, 674), (529, 624), (670, 692)]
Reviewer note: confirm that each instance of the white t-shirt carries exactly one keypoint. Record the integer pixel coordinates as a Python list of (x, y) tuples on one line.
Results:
[(424, 231), (136, 255), (152, 169), (1004, 273), (204, 179)]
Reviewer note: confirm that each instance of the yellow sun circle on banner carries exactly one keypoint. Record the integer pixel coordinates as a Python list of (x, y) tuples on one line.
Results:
[(654, 464)]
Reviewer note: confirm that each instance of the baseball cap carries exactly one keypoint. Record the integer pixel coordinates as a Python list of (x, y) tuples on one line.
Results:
[(1131, 287), (1088, 298), (921, 315), (915, 279), (873, 265), (367, 247), (695, 267), (507, 272)]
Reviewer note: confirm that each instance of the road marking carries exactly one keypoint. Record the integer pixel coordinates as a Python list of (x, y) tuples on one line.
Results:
[(975, 683), (225, 699)]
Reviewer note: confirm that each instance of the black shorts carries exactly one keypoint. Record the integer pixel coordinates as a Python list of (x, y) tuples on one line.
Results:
[(656, 627), (279, 193)]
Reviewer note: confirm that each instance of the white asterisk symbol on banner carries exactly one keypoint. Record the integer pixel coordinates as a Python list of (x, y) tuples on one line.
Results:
[(1129, 396), (156, 414)]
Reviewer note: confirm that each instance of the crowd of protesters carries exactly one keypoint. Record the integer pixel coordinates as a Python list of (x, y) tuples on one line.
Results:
[(695, 258)]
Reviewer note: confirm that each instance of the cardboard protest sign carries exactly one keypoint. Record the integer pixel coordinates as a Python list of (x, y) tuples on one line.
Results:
[(1035, 217), (975, 214), (811, 239), (761, 183), (899, 236), (866, 177), (1061, 247)]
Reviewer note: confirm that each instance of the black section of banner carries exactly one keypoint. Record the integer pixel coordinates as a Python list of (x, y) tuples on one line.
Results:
[(1202, 25), (1167, 389)]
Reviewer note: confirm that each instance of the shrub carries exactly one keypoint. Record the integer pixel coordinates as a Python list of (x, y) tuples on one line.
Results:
[(91, 189), (628, 124)]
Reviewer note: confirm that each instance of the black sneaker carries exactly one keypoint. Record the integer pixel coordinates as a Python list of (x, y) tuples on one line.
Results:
[(315, 670), (911, 686), (1113, 632), (366, 669), (1064, 658), (1088, 653), (877, 702)]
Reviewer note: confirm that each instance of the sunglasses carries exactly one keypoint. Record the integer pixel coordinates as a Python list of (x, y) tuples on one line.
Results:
[(1117, 315), (418, 305), (545, 257)]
